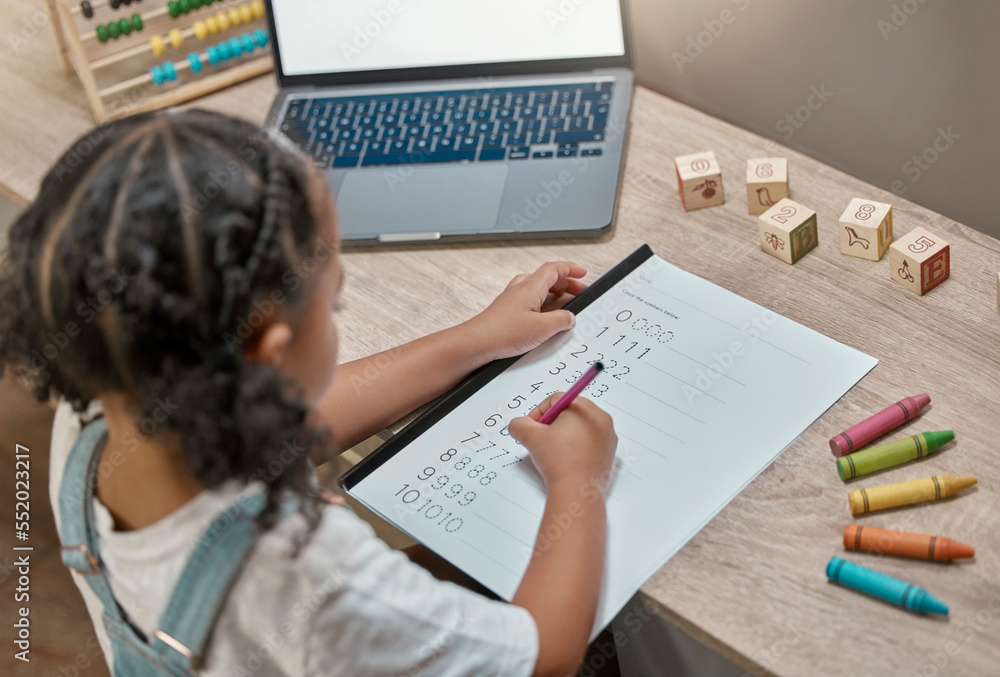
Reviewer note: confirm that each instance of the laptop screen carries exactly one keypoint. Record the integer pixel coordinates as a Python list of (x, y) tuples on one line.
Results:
[(343, 36)]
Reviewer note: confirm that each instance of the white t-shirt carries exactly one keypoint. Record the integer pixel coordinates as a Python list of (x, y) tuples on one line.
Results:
[(346, 605)]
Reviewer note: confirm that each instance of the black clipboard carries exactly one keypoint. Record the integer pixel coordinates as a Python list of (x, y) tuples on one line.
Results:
[(480, 378)]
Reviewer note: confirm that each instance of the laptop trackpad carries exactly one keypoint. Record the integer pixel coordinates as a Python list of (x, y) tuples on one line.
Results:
[(422, 199)]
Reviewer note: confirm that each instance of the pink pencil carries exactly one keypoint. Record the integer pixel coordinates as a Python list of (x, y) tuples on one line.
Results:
[(571, 394)]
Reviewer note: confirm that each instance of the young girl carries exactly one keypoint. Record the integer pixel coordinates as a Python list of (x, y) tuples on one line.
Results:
[(175, 288)]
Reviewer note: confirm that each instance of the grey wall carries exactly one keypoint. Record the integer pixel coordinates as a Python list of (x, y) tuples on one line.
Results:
[(892, 76)]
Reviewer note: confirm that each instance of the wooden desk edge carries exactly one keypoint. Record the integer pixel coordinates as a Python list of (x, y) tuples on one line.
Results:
[(13, 195), (706, 639)]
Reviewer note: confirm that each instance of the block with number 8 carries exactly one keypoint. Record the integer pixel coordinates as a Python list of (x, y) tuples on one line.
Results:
[(866, 229), (788, 231), (920, 260), (767, 183), (699, 180)]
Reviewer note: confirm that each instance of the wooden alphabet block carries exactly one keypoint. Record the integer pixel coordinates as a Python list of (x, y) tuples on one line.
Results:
[(699, 180), (788, 231), (767, 183), (920, 260), (866, 229)]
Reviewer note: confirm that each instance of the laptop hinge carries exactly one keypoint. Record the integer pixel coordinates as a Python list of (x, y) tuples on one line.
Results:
[(408, 237)]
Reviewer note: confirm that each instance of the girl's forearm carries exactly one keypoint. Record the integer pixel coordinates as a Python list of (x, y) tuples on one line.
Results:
[(371, 393), (562, 583)]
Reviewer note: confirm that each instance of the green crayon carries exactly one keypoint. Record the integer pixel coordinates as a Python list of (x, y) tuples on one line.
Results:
[(889, 455)]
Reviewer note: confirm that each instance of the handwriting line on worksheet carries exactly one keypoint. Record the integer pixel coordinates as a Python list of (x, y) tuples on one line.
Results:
[(490, 557), (631, 415), (693, 387), (652, 397), (728, 324)]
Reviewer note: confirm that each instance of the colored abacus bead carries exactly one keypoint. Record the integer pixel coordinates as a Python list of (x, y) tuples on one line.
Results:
[(260, 37), (194, 59), (173, 9), (212, 25), (113, 30), (102, 33), (246, 14), (234, 16), (157, 46), (223, 21), (235, 48), (169, 71), (184, 6), (257, 7), (127, 2), (124, 27), (176, 38), (223, 49), (137, 22), (87, 9), (114, 3), (246, 41), (200, 30), (213, 55), (157, 74)]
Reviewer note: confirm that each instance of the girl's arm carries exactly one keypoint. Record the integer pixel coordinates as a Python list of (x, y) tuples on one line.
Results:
[(562, 583), (369, 394)]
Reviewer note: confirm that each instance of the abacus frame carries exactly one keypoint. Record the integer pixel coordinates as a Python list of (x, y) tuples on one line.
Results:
[(74, 54)]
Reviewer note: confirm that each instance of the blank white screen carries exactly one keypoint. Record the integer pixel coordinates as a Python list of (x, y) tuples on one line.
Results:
[(333, 36)]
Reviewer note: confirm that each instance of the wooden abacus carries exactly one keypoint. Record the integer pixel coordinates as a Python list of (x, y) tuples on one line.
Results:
[(130, 59)]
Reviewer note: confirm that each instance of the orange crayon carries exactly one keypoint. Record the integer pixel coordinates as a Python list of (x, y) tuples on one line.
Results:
[(905, 544)]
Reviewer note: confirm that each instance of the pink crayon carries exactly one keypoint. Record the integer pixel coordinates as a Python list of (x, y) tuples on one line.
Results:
[(890, 418)]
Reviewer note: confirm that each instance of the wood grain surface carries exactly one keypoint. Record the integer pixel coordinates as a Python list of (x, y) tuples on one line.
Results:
[(751, 584)]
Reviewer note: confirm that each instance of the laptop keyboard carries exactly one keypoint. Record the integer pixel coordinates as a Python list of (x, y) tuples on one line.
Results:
[(517, 123)]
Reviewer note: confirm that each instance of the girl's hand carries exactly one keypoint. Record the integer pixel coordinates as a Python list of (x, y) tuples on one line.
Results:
[(527, 312), (577, 448)]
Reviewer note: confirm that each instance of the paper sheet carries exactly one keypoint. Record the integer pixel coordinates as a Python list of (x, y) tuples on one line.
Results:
[(705, 388)]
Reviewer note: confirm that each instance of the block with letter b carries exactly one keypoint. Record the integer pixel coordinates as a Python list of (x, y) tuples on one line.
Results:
[(767, 183), (920, 260), (699, 180), (788, 231), (866, 229)]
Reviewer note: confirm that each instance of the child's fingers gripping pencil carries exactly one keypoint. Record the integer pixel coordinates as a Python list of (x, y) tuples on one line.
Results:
[(571, 394)]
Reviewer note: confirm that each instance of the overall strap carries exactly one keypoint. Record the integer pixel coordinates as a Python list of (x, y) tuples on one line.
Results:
[(205, 582), (76, 512)]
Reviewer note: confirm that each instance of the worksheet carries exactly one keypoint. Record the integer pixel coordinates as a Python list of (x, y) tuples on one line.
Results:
[(705, 388)]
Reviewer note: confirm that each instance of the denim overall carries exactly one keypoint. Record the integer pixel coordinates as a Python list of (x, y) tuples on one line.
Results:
[(177, 647)]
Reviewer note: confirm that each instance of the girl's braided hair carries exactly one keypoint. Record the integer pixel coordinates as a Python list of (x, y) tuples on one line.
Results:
[(151, 244)]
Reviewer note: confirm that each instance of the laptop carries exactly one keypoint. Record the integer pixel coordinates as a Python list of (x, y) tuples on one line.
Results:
[(458, 120)]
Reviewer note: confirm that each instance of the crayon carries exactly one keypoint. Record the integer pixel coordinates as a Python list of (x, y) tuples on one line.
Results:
[(905, 544), (904, 493), (892, 590), (892, 454), (875, 426)]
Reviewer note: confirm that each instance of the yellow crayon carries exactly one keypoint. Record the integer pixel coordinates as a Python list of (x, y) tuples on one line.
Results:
[(904, 493)]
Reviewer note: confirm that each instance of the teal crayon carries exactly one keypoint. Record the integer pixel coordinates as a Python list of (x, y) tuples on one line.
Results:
[(892, 590), (892, 454)]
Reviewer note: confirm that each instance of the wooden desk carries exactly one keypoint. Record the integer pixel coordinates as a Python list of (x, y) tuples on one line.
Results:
[(751, 584)]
